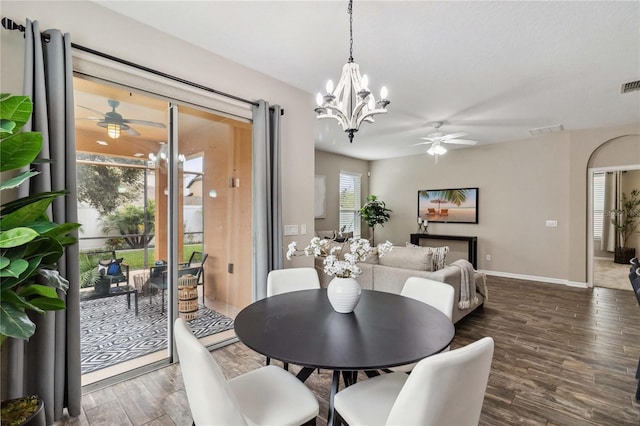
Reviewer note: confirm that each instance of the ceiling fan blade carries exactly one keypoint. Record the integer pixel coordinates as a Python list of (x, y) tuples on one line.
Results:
[(421, 143), (454, 136), (90, 118), (461, 142), (93, 110), (144, 123), (130, 131), (430, 139)]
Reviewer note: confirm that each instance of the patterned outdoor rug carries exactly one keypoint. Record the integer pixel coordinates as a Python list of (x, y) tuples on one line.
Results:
[(110, 333)]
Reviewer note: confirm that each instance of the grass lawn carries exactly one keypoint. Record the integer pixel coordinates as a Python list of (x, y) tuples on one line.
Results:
[(135, 258)]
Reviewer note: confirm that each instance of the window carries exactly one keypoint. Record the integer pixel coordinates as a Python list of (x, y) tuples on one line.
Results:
[(350, 203), (598, 205)]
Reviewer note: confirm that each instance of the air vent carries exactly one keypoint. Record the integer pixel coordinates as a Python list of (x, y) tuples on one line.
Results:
[(544, 130), (631, 86)]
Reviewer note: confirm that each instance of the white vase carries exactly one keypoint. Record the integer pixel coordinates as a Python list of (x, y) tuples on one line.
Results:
[(344, 294)]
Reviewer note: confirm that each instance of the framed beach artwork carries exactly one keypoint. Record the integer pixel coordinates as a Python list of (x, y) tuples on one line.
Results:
[(448, 205)]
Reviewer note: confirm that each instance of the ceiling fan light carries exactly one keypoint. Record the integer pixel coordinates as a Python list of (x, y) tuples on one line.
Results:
[(113, 130), (437, 150)]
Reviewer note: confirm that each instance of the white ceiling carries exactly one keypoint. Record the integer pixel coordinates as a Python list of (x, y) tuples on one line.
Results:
[(492, 69)]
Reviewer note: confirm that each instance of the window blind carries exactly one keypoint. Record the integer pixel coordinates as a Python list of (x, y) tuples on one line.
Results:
[(598, 205), (350, 202)]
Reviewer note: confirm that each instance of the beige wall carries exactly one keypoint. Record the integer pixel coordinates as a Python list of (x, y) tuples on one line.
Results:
[(101, 29), (521, 186), (330, 165)]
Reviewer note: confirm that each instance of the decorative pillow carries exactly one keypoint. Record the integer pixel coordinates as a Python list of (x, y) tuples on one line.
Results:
[(439, 257), (110, 266), (416, 258)]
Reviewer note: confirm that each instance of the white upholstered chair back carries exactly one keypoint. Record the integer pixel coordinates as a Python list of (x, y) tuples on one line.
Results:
[(433, 293), (446, 389), (293, 279), (210, 398)]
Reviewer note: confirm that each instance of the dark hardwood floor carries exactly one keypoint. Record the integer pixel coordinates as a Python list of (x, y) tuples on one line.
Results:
[(564, 356)]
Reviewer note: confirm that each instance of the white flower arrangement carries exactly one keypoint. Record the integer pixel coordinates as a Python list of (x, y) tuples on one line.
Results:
[(359, 249)]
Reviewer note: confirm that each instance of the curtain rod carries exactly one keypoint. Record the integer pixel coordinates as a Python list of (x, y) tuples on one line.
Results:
[(10, 24)]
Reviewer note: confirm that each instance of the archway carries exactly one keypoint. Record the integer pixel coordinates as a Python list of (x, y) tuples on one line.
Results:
[(616, 162)]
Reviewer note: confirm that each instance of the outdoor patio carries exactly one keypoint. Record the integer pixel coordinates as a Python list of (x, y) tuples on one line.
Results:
[(112, 333)]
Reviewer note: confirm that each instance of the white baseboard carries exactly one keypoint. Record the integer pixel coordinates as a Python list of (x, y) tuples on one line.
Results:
[(536, 278)]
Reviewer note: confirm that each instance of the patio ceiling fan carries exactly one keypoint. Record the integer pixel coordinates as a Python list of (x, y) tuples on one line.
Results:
[(116, 123)]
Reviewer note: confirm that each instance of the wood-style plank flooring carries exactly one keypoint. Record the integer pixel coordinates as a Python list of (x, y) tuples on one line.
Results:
[(564, 356)]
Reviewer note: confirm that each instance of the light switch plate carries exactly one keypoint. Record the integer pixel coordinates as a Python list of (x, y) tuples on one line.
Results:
[(291, 230), (552, 224)]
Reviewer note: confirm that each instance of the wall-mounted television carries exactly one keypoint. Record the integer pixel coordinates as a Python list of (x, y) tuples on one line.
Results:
[(459, 205)]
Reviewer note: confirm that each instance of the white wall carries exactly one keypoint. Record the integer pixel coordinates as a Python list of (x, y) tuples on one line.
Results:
[(95, 27)]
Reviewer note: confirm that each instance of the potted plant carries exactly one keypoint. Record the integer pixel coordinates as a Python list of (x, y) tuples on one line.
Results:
[(30, 243), (374, 212), (625, 221)]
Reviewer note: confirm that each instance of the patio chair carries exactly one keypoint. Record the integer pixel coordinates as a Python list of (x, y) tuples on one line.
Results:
[(158, 278), (111, 268)]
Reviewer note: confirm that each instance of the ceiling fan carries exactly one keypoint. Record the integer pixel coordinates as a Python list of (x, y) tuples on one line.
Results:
[(115, 123), (438, 138)]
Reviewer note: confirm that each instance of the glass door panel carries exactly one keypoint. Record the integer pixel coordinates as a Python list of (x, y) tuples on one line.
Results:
[(121, 196), (215, 171)]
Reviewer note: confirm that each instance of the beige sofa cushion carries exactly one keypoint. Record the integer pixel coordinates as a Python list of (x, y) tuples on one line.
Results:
[(415, 258)]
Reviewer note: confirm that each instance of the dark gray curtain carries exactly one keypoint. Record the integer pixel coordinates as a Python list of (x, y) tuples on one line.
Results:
[(267, 195), (49, 363)]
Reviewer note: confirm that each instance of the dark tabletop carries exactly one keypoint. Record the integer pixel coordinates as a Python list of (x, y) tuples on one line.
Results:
[(385, 330)]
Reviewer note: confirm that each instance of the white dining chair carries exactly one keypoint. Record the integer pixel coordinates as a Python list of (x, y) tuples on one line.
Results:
[(266, 396), (433, 293), (293, 279), (446, 389), (285, 280)]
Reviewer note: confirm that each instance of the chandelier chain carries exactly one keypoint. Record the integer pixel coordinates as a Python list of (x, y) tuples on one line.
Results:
[(350, 11)]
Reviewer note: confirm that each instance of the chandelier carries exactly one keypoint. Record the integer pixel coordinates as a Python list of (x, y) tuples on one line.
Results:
[(351, 102)]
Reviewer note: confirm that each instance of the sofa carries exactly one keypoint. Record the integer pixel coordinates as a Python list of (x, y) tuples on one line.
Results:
[(389, 273)]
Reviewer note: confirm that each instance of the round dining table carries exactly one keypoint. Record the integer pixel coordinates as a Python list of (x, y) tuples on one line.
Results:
[(384, 330)]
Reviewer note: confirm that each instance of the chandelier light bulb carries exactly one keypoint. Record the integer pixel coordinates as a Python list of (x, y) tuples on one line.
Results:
[(383, 92), (365, 82), (329, 86), (319, 99)]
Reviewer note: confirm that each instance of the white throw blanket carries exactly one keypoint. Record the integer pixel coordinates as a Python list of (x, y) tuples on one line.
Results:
[(468, 296)]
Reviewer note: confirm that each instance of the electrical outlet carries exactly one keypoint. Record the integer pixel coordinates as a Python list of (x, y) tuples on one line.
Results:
[(552, 224)]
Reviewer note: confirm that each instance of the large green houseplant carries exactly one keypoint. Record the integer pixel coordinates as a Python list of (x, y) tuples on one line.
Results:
[(30, 243), (626, 221), (374, 212)]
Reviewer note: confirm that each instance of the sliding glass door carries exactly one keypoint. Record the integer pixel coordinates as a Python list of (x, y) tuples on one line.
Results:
[(165, 207)]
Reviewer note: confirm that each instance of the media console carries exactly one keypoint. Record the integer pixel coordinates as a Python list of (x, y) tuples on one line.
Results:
[(472, 243)]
